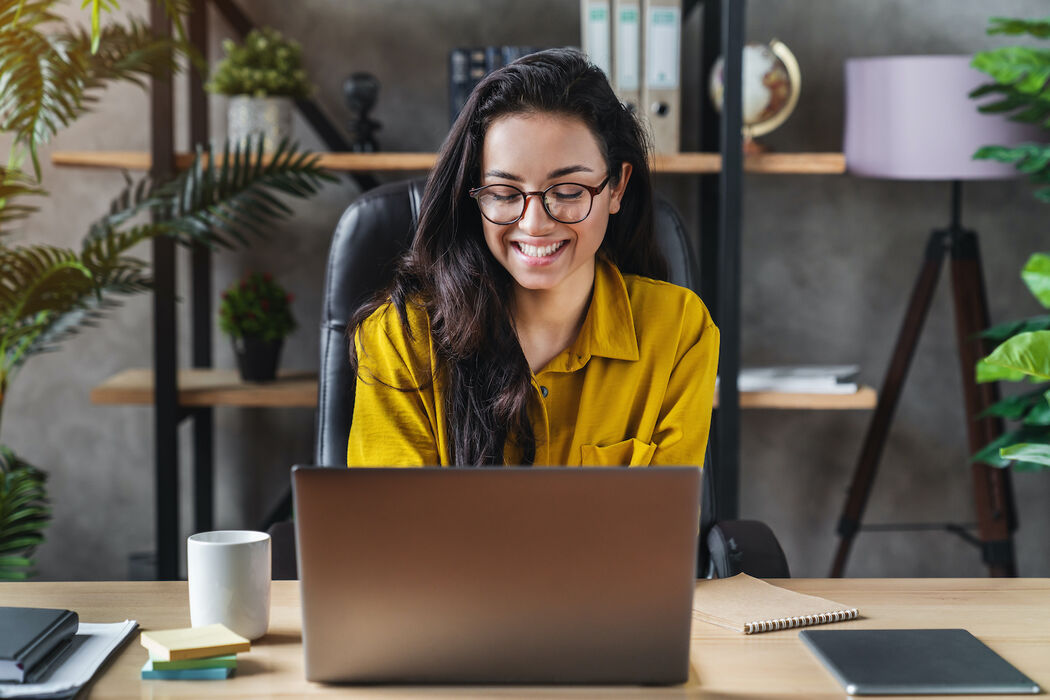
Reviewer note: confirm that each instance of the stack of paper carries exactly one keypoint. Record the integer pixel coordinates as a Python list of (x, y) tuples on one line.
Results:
[(193, 653), (91, 646), (800, 379)]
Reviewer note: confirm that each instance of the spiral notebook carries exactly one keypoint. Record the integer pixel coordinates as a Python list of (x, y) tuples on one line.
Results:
[(751, 605)]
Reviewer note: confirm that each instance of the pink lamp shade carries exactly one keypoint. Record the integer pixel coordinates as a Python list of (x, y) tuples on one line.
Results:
[(910, 118)]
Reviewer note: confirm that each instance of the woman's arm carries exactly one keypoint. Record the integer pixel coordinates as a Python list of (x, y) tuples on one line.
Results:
[(393, 422), (685, 418)]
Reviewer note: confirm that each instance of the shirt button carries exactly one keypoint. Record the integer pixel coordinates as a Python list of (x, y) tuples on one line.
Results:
[(543, 390)]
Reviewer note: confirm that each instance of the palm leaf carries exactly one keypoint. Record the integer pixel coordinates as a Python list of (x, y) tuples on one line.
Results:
[(97, 6), (45, 76), (128, 53), (14, 183), (24, 514), (52, 294), (219, 200), (41, 85)]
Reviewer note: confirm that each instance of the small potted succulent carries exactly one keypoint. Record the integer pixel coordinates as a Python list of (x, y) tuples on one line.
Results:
[(256, 313), (262, 77)]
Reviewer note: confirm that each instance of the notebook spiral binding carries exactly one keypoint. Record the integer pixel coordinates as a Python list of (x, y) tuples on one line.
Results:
[(801, 621)]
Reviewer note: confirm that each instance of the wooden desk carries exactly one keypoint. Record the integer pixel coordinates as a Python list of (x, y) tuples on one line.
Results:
[(1012, 616)]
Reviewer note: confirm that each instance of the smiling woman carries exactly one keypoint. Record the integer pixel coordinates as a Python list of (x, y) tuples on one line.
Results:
[(529, 326)]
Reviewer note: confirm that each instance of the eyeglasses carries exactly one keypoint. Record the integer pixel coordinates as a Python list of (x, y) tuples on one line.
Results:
[(565, 202)]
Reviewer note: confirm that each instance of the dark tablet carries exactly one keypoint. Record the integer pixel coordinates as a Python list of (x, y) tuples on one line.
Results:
[(914, 662)]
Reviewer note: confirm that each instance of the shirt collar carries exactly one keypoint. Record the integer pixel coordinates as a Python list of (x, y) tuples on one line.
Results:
[(608, 329)]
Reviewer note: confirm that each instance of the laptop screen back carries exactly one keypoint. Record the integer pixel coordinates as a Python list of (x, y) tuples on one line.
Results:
[(509, 575)]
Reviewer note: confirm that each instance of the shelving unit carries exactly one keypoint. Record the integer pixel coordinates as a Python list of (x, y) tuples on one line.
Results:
[(223, 387), (180, 393), (679, 163)]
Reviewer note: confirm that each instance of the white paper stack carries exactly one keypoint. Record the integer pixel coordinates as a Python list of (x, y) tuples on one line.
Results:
[(92, 645), (800, 379)]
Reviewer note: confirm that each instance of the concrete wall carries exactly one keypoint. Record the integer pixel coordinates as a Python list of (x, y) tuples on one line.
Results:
[(828, 265)]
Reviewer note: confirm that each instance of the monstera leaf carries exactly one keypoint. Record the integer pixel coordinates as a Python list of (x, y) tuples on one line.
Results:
[(24, 513), (1022, 91)]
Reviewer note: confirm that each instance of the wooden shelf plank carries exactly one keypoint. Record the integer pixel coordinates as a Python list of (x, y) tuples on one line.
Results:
[(212, 387), (680, 163), (223, 387), (864, 398)]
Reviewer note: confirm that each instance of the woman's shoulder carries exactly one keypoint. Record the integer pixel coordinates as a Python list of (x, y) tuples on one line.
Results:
[(404, 330), (651, 298)]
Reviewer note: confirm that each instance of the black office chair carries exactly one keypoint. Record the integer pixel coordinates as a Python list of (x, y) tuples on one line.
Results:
[(373, 231)]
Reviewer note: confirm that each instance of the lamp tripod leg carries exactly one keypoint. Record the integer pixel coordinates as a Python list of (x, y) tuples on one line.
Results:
[(878, 428), (992, 487)]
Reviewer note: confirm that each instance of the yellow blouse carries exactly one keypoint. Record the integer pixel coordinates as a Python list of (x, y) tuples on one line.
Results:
[(635, 388)]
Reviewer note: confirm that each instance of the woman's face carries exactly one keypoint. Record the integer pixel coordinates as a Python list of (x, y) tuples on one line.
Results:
[(533, 152)]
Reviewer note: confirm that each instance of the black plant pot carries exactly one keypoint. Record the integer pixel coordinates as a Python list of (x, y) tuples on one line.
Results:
[(257, 358)]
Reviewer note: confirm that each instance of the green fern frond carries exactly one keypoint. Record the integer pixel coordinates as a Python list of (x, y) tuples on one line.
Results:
[(129, 53), (46, 76), (49, 294), (41, 86), (14, 183), (97, 7), (219, 201), (39, 278), (24, 514)]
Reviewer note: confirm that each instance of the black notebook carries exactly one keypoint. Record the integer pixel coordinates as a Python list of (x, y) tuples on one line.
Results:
[(32, 639), (915, 662)]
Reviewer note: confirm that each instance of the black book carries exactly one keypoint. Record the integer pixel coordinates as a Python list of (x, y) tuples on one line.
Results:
[(458, 81), (28, 636)]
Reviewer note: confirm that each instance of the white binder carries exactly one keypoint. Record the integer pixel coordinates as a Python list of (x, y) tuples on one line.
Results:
[(662, 60), (627, 52), (596, 27)]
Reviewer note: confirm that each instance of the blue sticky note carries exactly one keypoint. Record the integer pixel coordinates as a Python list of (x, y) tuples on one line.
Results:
[(186, 674)]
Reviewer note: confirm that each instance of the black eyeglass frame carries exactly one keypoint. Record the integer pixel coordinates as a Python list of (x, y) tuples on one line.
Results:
[(595, 191)]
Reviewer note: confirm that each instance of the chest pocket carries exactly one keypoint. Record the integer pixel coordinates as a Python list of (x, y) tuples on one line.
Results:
[(629, 453)]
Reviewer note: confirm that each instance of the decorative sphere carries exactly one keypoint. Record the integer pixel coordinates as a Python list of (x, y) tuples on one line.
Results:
[(771, 85)]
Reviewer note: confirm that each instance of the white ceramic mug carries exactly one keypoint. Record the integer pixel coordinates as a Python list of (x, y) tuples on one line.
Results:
[(229, 580)]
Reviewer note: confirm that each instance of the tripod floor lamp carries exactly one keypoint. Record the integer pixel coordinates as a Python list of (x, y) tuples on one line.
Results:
[(910, 118)]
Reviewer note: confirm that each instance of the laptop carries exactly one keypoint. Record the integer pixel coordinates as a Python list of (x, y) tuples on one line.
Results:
[(497, 575), (915, 662)]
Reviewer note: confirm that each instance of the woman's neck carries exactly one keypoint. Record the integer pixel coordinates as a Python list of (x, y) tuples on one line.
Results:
[(548, 320)]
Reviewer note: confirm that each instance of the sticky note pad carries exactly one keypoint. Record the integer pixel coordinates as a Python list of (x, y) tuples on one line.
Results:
[(228, 661), (186, 674), (193, 643)]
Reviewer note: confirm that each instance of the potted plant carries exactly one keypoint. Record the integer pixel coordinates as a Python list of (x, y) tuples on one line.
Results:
[(48, 294), (1023, 353), (262, 77), (256, 313)]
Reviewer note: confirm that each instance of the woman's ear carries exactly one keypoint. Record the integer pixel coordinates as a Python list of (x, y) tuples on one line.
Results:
[(616, 193)]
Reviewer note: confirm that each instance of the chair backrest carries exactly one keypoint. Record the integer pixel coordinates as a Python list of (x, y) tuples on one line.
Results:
[(370, 236)]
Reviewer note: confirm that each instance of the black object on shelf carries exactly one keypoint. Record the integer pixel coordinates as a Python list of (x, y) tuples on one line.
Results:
[(361, 91)]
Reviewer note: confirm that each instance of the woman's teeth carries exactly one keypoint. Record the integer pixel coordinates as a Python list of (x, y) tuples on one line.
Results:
[(540, 252)]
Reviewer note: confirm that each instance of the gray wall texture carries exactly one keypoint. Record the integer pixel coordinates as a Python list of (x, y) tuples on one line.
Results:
[(828, 264)]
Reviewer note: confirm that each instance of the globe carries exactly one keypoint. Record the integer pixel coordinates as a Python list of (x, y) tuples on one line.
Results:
[(771, 85)]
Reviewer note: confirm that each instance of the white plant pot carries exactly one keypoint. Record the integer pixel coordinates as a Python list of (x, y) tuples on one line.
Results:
[(270, 117)]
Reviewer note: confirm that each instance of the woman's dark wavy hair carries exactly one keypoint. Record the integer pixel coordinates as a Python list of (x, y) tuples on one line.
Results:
[(466, 293)]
